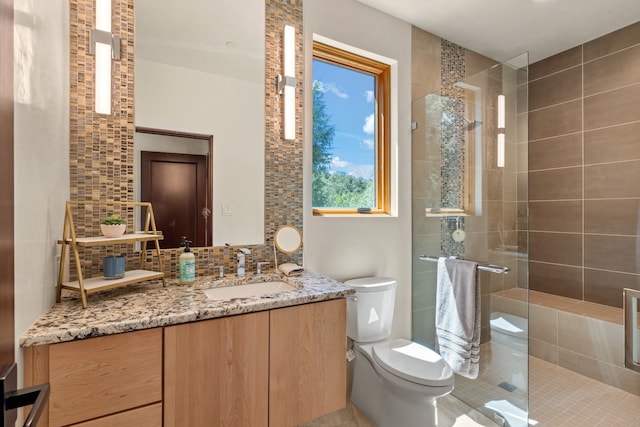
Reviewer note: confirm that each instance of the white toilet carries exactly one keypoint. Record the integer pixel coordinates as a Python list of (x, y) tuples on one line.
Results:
[(395, 382)]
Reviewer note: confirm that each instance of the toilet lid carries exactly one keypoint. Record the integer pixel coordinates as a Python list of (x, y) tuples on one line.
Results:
[(413, 362), (371, 284)]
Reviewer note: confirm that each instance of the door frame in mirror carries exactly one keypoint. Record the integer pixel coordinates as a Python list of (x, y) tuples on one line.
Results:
[(209, 186)]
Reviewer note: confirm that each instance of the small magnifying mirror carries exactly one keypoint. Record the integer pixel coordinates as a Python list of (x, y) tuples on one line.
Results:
[(287, 239)]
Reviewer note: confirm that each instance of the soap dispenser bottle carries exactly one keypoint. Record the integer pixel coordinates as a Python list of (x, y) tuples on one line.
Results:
[(187, 264)]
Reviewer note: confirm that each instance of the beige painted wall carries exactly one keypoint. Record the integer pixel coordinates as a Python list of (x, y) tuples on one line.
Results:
[(41, 153), (349, 247)]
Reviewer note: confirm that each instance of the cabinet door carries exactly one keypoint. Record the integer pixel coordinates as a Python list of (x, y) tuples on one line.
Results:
[(216, 372), (307, 367), (100, 376)]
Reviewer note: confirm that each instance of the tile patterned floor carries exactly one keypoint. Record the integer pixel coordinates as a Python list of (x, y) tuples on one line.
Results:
[(558, 398), (451, 412), (502, 381)]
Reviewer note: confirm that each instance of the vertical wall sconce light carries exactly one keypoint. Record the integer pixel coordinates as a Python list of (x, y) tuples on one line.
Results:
[(501, 150), (287, 82), (105, 46), (501, 130)]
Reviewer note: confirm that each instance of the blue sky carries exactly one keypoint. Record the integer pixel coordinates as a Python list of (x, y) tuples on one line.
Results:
[(349, 96)]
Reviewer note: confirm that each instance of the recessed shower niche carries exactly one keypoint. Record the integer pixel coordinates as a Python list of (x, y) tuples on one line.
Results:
[(448, 130)]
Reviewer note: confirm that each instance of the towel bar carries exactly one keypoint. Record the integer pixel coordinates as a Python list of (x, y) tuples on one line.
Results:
[(482, 267)]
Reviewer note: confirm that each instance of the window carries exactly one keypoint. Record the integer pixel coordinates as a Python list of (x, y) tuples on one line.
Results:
[(351, 142)]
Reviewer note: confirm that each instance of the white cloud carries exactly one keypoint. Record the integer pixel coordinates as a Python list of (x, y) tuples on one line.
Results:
[(361, 171), (370, 95), (331, 88), (368, 143), (336, 162), (369, 125)]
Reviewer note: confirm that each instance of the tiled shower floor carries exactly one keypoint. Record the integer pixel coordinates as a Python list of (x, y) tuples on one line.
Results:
[(558, 397)]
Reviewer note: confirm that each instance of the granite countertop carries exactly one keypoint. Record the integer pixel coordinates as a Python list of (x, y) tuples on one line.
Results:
[(149, 305)]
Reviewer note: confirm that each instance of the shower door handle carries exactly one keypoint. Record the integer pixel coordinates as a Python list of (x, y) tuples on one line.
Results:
[(12, 399), (631, 332)]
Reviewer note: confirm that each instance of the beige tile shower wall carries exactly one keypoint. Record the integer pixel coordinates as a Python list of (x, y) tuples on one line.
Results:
[(581, 336), (430, 61), (426, 70), (584, 160), (101, 147)]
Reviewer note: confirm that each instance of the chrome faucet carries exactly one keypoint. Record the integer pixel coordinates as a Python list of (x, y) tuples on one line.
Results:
[(220, 271), (259, 266), (241, 260)]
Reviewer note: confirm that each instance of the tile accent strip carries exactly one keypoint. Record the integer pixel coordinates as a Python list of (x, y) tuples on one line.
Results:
[(452, 140), (100, 147)]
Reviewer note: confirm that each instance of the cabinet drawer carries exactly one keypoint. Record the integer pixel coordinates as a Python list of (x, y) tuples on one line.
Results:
[(147, 416), (101, 376)]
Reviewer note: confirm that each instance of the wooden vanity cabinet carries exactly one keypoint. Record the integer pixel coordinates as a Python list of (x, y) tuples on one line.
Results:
[(216, 372), (280, 368), (118, 377)]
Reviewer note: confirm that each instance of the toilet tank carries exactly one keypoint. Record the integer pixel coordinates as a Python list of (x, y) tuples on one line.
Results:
[(370, 313)]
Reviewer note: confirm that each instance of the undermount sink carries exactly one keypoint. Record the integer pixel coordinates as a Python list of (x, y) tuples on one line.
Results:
[(248, 290)]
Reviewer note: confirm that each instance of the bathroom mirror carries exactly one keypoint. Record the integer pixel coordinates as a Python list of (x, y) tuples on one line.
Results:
[(287, 239), (199, 69)]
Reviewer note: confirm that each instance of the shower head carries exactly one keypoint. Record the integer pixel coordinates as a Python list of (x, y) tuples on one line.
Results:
[(471, 123), (453, 118)]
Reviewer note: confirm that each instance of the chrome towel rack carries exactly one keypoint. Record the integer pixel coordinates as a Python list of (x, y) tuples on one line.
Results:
[(492, 268)]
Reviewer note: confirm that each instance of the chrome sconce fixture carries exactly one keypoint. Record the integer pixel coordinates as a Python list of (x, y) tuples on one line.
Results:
[(105, 46), (287, 83), (501, 130)]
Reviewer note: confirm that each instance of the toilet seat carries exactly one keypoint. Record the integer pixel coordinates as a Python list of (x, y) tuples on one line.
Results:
[(509, 324), (413, 362)]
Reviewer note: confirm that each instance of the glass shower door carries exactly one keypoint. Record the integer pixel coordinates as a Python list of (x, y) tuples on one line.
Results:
[(470, 201)]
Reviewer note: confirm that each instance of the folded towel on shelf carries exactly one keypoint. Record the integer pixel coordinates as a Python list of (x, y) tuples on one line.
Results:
[(290, 269), (458, 315)]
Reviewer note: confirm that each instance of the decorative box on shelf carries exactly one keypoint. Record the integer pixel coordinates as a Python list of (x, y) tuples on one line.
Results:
[(94, 284)]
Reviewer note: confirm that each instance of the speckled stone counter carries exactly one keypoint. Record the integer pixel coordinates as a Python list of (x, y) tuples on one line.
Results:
[(149, 305)]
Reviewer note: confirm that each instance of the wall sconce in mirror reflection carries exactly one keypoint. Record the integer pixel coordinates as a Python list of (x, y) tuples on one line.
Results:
[(501, 130), (287, 82), (105, 46)]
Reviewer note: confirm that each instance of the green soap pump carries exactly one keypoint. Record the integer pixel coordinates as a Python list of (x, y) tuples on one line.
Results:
[(187, 264)]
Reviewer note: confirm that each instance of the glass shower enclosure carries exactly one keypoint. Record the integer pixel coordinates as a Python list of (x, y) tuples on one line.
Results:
[(469, 195)]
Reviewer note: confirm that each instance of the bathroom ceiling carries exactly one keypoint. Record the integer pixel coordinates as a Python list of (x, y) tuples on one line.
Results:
[(503, 29)]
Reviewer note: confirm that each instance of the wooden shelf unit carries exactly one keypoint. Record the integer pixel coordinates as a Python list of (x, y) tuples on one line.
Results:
[(95, 284)]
